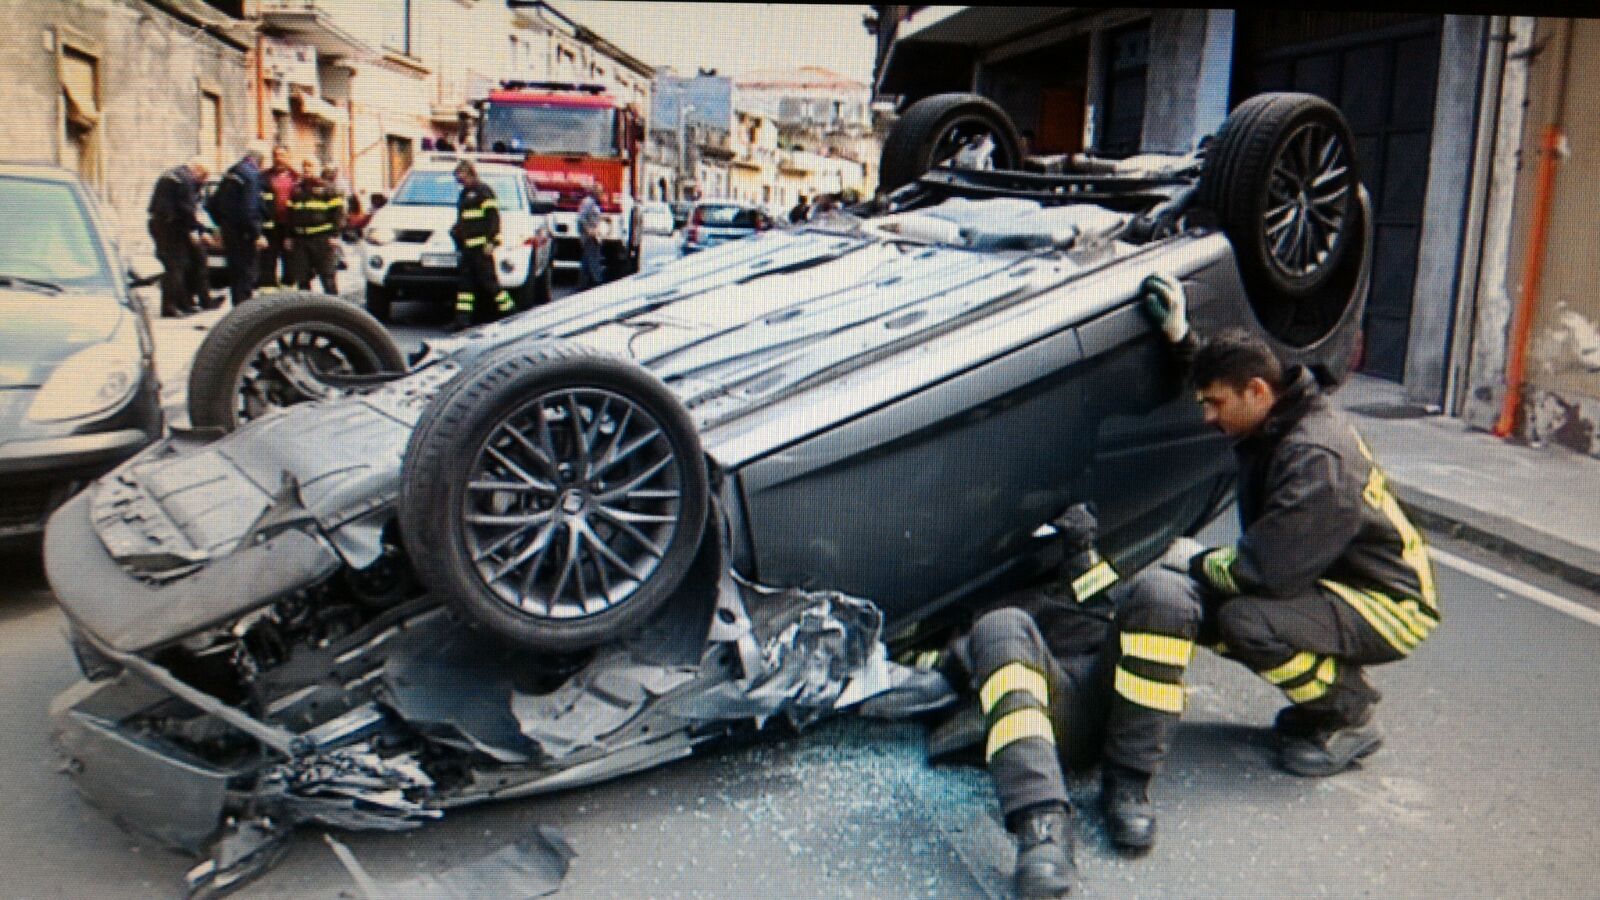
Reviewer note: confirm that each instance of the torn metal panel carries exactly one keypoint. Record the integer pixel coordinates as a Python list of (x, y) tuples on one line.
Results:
[(143, 786)]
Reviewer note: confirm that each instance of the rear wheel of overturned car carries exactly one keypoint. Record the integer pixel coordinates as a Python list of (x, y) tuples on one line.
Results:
[(555, 495), (936, 130), (1281, 176), (278, 350)]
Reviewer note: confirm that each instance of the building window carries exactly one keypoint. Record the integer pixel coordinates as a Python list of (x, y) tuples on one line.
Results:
[(325, 144), (399, 158), (211, 129), (80, 90), (282, 131)]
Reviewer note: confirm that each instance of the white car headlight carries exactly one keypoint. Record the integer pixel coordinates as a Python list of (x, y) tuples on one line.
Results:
[(376, 236), (92, 381)]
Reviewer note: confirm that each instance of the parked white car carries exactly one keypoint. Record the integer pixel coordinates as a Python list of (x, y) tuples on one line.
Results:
[(407, 252), (656, 218)]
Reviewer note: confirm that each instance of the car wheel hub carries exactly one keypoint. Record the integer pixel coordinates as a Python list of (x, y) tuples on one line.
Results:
[(571, 503), (288, 367), (1306, 200)]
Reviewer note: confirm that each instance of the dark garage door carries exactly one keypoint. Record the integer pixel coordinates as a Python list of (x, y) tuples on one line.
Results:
[(1384, 81)]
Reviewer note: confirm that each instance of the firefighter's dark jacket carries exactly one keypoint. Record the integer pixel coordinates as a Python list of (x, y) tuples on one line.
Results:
[(236, 207), (1313, 506), (175, 202), (477, 218), (315, 209)]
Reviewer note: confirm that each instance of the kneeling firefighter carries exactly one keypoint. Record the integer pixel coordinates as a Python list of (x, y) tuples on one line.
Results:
[(1328, 577)]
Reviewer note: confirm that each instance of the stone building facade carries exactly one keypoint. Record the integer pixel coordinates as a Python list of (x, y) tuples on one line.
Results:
[(121, 90)]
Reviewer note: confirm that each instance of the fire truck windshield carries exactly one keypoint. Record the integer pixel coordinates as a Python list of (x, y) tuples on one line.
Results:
[(554, 130)]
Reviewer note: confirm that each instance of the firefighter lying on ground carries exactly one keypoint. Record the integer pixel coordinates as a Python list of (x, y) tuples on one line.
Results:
[(1328, 577)]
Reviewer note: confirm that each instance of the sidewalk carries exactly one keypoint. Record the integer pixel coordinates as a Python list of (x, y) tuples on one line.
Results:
[(1533, 504)]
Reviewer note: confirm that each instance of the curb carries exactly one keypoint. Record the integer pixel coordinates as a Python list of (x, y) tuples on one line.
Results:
[(1502, 535)]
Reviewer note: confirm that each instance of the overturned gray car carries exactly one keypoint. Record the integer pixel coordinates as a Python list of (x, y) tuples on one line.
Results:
[(598, 535)]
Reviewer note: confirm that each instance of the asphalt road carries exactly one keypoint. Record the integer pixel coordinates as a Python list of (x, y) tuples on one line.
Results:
[(1485, 789)]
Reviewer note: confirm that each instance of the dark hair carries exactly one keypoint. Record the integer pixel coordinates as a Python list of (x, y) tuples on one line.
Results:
[(1233, 357)]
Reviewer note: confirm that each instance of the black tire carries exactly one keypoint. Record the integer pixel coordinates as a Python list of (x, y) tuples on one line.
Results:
[(496, 446), (380, 302), (537, 290), (1257, 170), (935, 128), (233, 381)]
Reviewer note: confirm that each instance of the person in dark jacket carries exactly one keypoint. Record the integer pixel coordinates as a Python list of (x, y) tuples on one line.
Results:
[(316, 213), (476, 233), (238, 211), (176, 230), (1329, 577)]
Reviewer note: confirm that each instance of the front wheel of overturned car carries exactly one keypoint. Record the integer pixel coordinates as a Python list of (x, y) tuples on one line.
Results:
[(278, 350), (555, 495), (966, 129)]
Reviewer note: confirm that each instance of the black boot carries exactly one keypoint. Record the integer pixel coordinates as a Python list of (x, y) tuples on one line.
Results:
[(920, 691), (1044, 850), (1332, 747), (1130, 817), (1295, 722)]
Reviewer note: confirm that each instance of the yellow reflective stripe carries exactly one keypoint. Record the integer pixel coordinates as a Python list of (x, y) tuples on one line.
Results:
[(505, 302), (1158, 648), (1149, 694), (1413, 550), (1305, 693), (472, 214), (1024, 723), (477, 241), (318, 229), (1098, 578), (1327, 674), (464, 302), (1298, 665), (1218, 566), (488, 202), (1013, 677), (927, 659), (1382, 621)]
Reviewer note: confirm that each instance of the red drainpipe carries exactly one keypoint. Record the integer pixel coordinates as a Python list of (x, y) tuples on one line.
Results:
[(1538, 235)]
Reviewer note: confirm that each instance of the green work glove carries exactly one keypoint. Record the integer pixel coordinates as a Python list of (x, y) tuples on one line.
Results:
[(1166, 305)]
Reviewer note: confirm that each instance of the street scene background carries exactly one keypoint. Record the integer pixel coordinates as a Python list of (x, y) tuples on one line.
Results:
[(1478, 389)]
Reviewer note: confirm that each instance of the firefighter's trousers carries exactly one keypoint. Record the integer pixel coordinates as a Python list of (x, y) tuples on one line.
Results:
[(479, 298), (1041, 711), (315, 256), (1311, 647)]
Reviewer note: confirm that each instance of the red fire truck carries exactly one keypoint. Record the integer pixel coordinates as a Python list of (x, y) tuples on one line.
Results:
[(569, 136)]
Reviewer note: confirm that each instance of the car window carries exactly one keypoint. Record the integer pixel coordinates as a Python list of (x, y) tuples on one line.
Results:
[(728, 216), (439, 188), (46, 234)]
